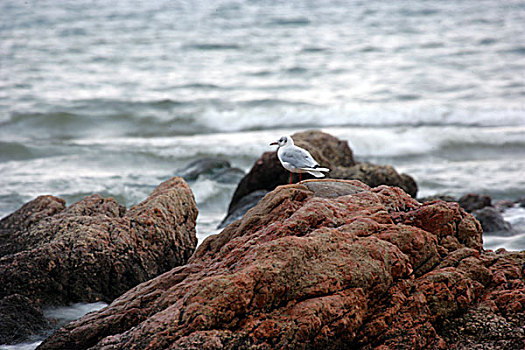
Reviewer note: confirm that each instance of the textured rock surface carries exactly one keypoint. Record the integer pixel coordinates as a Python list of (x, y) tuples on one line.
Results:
[(94, 250), (267, 173), (19, 319), (323, 264)]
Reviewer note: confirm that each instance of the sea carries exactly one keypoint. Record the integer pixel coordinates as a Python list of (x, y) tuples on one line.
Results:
[(114, 97)]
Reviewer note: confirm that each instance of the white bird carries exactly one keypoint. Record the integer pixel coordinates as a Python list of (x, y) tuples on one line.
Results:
[(297, 160)]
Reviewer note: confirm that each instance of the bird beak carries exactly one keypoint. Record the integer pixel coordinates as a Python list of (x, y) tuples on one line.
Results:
[(273, 144)]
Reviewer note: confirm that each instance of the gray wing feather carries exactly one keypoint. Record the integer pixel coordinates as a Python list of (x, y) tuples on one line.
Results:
[(298, 157)]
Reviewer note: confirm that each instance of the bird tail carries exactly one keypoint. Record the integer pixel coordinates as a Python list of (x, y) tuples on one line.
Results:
[(318, 172)]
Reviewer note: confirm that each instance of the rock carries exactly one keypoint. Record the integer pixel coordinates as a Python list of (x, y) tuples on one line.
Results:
[(241, 207), (492, 221), (229, 176), (217, 169), (94, 250), (267, 173), (521, 202), (323, 264), (23, 219), (472, 201), (20, 319), (476, 329), (376, 175), (503, 204)]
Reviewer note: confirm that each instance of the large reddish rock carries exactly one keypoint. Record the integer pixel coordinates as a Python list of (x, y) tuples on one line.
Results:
[(94, 249), (267, 173), (327, 264)]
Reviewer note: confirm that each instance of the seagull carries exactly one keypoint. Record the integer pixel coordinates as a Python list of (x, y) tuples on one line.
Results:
[(297, 160)]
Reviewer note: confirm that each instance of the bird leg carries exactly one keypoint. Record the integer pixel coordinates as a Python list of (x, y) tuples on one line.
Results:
[(290, 178), (299, 177)]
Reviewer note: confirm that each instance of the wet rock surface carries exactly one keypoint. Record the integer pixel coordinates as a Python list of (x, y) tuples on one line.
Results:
[(267, 173), (95, 249), (324, 264)]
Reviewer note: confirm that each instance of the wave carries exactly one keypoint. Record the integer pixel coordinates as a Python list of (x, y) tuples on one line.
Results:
[(212, 46), (14, 151), (286, 114), (171, 117), (291, 21)]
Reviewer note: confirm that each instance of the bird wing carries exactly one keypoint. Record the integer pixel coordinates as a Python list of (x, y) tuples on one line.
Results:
[(298, 157)]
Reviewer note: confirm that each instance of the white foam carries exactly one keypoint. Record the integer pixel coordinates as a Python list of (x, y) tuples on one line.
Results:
[(22, 346), (72, 312), (304, 116), (515, 242), (516, 217)]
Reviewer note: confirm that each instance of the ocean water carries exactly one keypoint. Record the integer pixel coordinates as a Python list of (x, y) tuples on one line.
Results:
[(115, 97)]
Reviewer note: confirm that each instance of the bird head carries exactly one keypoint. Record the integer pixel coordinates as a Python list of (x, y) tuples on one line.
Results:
[(283, 141)]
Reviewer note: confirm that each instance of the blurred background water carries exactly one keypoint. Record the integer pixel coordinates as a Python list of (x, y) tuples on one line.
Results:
[(115, 97)]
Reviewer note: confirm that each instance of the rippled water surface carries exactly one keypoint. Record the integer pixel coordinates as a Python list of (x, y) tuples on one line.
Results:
[(113, 98)]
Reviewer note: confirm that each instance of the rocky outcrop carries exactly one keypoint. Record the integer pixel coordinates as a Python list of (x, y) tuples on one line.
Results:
[(323, 264), (94, 249), (267, 173)]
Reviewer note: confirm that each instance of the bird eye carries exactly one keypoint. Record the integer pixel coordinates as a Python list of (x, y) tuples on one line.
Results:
[(282, 139)]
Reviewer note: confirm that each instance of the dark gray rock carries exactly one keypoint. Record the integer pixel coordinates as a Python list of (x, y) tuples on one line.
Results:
[(376, 175), (241, 207), (492, 221), (473, 201), (216, 169), (229, 176), (503, 204)]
